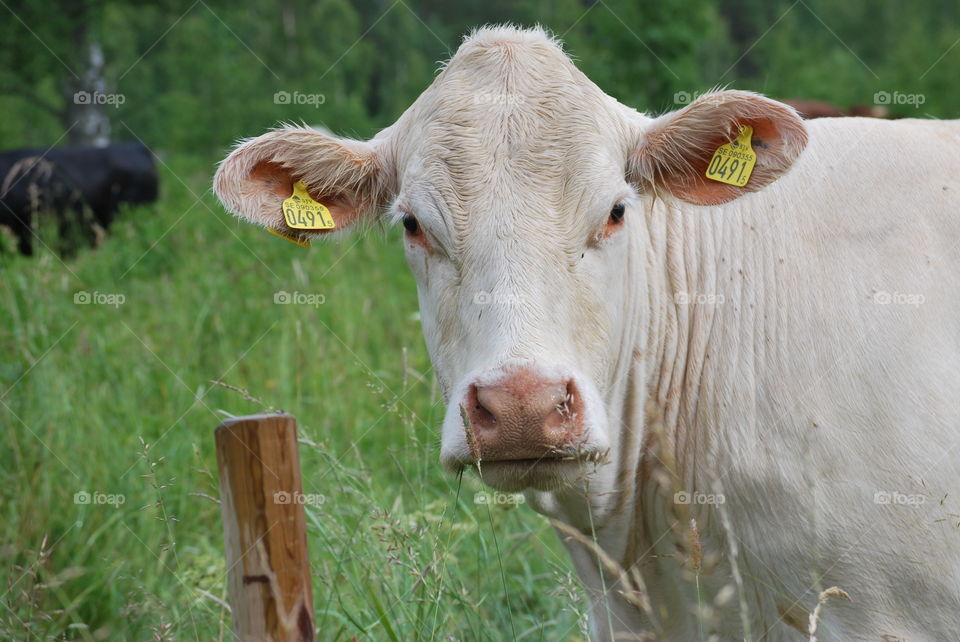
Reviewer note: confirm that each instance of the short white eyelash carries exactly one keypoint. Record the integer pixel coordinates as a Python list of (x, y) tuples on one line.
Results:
[(630, 199), (395, 215)]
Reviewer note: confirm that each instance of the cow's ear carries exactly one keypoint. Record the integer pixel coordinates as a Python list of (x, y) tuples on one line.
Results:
[(672, 152), (350, 178)]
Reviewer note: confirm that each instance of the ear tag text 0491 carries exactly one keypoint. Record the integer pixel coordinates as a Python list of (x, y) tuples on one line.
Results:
[(301, 212), (733, 162)]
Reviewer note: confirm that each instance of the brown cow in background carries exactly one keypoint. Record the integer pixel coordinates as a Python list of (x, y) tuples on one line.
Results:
[(822, 109)]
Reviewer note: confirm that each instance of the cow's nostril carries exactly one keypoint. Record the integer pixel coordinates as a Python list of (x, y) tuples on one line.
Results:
[(486, 414), (481, 416), (565, 405)]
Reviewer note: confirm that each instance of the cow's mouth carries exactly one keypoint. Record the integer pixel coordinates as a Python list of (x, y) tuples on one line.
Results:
[(544, 473)]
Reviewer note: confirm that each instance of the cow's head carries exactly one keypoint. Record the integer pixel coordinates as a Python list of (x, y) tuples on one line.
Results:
[(524, 192)]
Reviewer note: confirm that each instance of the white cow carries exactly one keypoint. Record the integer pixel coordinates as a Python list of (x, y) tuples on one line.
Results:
[(730, 399)]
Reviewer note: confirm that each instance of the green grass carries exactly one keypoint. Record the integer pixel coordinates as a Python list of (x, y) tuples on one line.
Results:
[(119, 400)]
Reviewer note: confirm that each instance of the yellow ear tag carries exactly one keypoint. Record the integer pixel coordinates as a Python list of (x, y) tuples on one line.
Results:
[(733, 163), (290, 237), (301, 212)]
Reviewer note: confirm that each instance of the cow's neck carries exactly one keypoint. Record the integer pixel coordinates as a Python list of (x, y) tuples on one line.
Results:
[(695, 325), (715, 321)]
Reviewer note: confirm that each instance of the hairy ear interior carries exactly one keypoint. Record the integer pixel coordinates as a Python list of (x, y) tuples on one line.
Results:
[(675, 149), (347, 176)]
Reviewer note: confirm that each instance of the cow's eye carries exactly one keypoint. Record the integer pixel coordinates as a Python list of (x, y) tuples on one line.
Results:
[(616, 214), (410, 224)]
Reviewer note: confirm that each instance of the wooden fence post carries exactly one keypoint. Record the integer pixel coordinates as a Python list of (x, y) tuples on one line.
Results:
[(264, 529)]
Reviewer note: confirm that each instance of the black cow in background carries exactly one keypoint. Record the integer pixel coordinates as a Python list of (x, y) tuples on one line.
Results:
[(82, 187)]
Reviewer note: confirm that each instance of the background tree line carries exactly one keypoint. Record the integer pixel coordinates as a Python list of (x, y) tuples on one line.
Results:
[(193, 77)]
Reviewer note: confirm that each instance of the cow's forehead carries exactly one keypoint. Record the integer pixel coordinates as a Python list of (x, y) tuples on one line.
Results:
[(510, 116)]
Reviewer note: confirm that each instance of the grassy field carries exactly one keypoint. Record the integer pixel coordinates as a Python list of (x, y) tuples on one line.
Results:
[(115, 396)]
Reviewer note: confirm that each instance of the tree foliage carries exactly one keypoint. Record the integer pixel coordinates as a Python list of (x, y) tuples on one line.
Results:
[(193, 77)]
